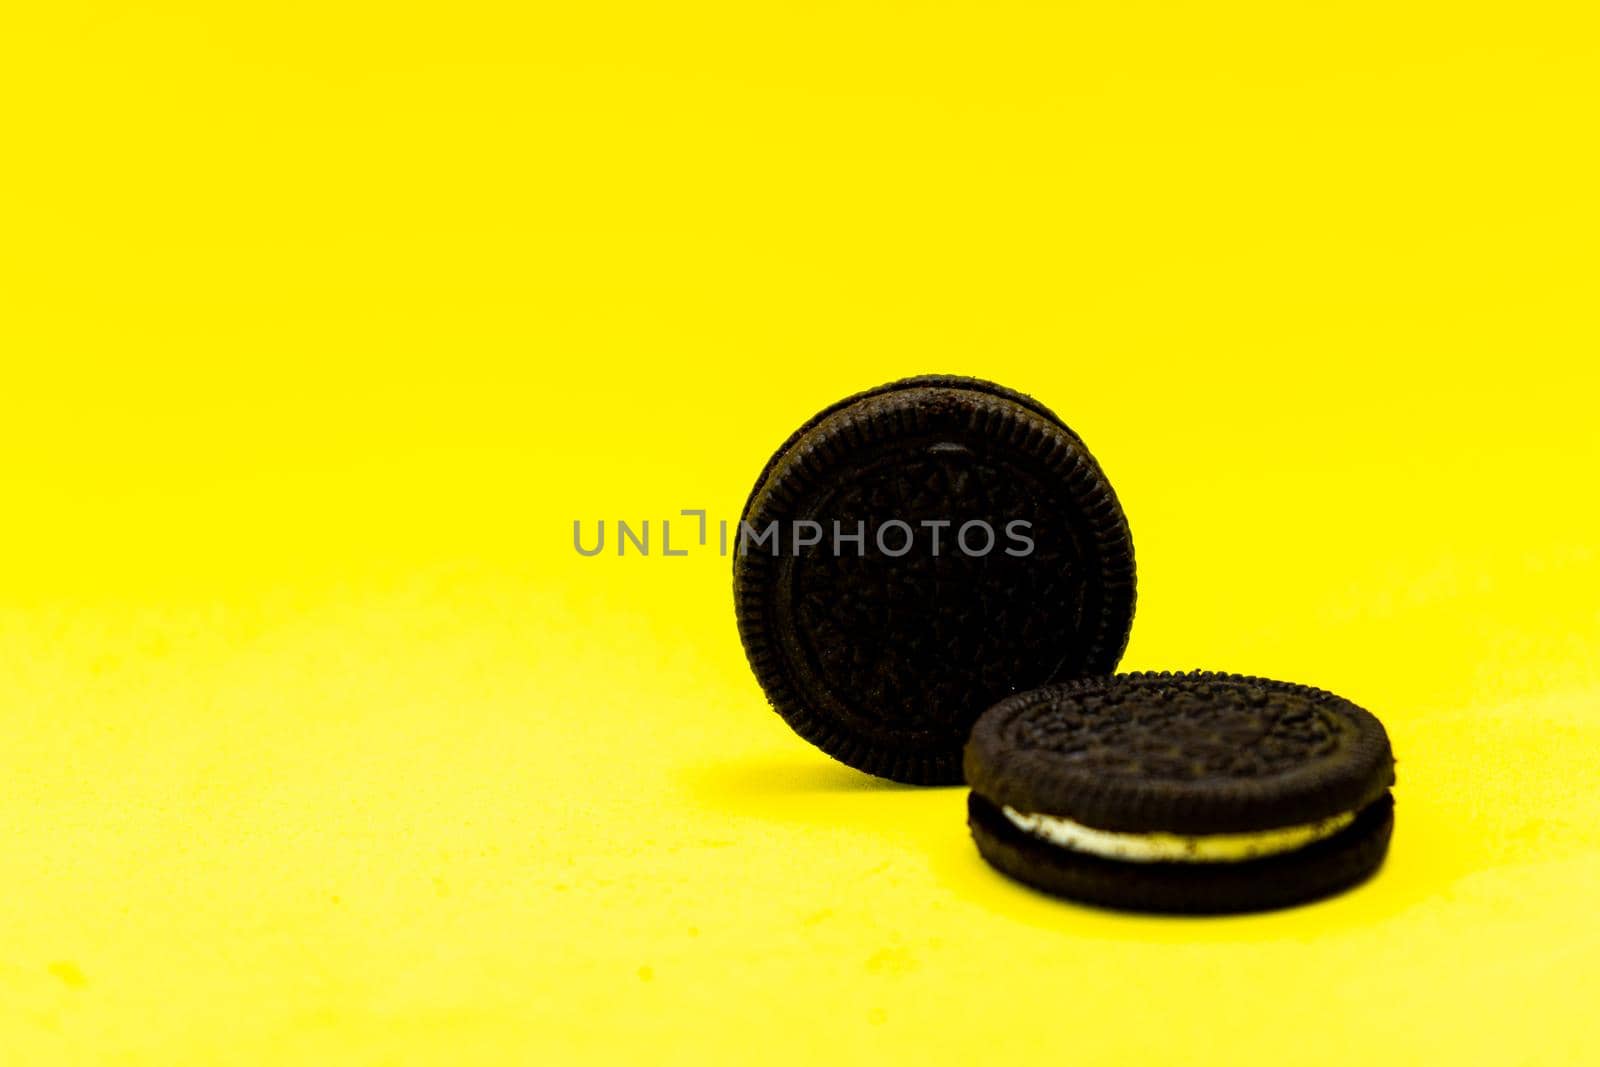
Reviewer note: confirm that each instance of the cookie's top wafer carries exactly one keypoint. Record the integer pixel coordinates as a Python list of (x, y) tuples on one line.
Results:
[(1195, 753)]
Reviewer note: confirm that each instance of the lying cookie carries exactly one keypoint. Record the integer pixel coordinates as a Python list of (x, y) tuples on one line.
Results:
[(1181, 792), (916, 552)]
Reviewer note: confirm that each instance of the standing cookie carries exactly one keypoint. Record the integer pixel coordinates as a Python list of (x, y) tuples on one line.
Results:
[(918, 551), (1181, 792)]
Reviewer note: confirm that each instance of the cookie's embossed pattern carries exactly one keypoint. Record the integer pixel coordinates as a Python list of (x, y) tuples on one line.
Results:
[(935, 637), (1192, 753), (1178, 729)]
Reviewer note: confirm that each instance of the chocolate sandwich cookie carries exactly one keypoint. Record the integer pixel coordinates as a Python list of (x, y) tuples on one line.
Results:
[(1192, 792), (918, 551)]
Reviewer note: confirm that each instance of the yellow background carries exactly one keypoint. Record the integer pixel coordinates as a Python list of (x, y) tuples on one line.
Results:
[(322, 323)]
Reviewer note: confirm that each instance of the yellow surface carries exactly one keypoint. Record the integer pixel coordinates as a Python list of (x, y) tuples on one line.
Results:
[(322, 323)]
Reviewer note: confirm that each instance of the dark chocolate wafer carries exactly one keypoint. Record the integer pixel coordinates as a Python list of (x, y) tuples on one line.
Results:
[(916, 552)]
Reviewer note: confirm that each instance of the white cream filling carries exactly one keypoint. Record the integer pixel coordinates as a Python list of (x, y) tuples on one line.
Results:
[(1162, 847)]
